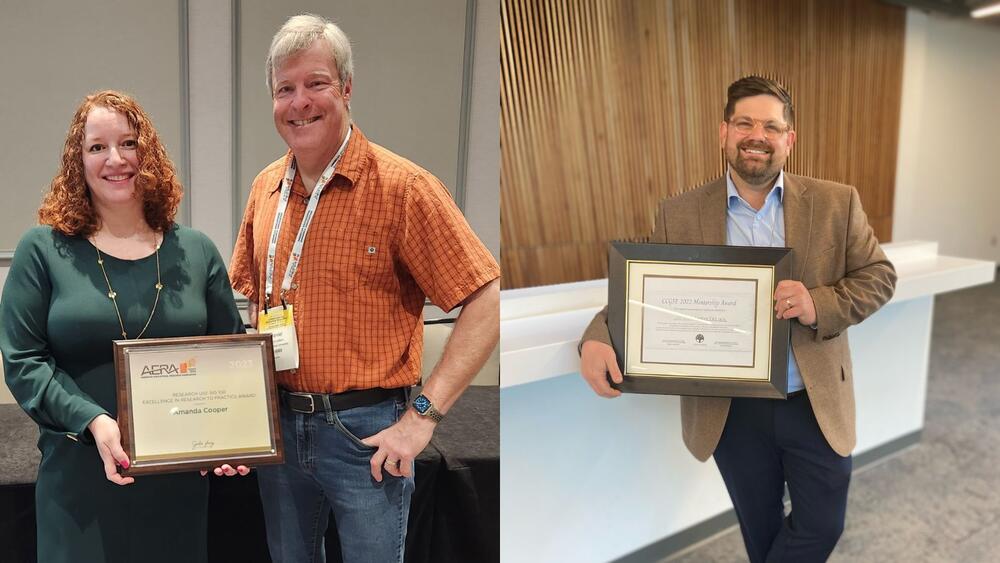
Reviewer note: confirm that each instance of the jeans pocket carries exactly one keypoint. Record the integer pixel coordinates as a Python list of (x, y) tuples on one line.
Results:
[(362, 422), (350, 434)]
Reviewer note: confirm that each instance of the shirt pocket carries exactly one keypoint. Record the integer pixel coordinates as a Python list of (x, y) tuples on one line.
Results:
[(359, 258)]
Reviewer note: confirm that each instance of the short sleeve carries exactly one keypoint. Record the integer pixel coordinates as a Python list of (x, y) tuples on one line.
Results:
[(440, 250)]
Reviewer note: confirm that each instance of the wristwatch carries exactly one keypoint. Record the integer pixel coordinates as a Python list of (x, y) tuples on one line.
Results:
[(424, 407)]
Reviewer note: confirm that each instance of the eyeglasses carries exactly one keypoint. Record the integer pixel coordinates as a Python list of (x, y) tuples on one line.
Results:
[(772, 129)]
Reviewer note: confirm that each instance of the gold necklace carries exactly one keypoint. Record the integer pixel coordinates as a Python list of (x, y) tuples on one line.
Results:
[(114, 296)]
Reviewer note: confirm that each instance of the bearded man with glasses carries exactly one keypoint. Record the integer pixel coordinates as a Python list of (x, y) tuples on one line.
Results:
[(840, 276)]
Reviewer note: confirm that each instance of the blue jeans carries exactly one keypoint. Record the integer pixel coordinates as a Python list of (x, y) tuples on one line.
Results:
[(327, 468)]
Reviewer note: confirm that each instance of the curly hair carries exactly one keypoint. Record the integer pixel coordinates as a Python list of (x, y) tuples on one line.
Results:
[(67, 206)]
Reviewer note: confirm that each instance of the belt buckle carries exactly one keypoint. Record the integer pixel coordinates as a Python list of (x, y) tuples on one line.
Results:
[(312, 403)]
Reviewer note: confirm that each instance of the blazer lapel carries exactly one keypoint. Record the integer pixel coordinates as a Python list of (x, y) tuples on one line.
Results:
[(713, 213), (798, 205)]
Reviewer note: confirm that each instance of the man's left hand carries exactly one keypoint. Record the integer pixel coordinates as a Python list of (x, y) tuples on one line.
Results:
[(792, 301), (399, 444)]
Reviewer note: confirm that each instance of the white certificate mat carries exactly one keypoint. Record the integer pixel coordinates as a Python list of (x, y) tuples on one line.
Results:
[(189, 401), (709, 321)]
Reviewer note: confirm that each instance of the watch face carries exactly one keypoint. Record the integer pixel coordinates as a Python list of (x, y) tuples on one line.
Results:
[(421, 403)]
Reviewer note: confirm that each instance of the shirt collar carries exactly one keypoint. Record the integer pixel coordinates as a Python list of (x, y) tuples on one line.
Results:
[(733, 197), (350, 163)]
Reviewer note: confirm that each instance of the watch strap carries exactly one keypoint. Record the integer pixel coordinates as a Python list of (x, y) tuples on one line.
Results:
[(429, 411)]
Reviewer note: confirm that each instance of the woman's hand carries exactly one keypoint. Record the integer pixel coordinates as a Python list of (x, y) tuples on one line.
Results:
[(108, 439), (228, 470)]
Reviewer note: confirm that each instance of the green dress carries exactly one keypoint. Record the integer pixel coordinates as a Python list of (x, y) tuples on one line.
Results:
[(56, 328)]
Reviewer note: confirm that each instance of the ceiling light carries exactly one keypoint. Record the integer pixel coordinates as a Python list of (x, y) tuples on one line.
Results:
[(987, 11)]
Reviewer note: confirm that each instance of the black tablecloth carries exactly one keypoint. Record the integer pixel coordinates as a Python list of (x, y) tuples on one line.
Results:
[(454, 515)]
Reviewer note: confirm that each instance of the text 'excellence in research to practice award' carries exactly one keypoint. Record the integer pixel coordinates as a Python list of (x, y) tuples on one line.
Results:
[(698, 319), (197, 402)]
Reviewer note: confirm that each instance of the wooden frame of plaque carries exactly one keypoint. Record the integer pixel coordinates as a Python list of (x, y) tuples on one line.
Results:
[(197, 402)]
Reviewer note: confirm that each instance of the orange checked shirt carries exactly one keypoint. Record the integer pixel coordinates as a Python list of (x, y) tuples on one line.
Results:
[(386, 234)]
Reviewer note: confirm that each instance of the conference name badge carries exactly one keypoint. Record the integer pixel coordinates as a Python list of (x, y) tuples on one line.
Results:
[(279, 322)]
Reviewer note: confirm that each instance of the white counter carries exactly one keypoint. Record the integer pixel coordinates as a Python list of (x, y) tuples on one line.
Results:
[(591, 479)]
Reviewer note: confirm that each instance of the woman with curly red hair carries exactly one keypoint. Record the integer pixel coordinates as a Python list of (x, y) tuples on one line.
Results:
[(107, 263)]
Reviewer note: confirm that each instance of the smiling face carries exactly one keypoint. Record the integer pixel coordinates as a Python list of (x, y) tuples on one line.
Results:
[(755, 158), (311, 111), (110, 159)]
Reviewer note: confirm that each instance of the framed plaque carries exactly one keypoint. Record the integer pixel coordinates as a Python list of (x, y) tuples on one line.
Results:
[(698, 320), (197, 402)]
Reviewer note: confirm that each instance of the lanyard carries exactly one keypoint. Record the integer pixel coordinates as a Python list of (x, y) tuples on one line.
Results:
[(272, 246)]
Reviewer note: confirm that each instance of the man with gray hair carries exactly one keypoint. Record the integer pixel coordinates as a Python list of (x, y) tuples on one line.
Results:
[(344, 306)]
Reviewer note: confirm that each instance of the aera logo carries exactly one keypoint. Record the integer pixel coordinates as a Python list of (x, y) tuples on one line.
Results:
[(168, 370)]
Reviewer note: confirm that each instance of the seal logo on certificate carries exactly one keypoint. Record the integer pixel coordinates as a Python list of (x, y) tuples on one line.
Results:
[(698, 320), (197, 402)]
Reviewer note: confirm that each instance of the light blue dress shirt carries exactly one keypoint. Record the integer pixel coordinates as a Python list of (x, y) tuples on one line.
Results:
[(745, 226)]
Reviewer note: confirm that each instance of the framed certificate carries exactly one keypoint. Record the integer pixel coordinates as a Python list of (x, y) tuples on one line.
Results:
[(197, 402), (698, 320)]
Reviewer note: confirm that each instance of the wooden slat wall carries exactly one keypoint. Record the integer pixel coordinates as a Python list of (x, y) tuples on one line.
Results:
[(607, 106)]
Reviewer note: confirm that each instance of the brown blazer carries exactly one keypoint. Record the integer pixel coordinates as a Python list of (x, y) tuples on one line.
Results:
[(834, 254)]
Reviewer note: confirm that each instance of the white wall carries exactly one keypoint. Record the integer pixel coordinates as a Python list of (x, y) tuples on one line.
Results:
[(947, 187), (482, 196), (209, 191)]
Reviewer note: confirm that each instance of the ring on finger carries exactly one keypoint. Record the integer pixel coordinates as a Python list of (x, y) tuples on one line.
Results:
[(392, 463), (788, 302)]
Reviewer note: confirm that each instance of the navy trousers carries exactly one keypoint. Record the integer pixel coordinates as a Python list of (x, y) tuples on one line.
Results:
[(766, 444)]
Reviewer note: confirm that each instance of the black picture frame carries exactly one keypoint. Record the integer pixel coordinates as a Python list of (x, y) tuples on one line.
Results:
[(669, 258)]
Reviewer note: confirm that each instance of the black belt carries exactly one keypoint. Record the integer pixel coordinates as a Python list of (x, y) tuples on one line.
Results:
[(796, 393), (309, 403)]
